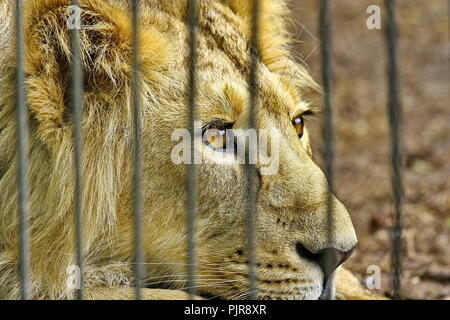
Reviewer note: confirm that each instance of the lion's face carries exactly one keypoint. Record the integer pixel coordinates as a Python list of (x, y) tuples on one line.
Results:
[(291, 208)]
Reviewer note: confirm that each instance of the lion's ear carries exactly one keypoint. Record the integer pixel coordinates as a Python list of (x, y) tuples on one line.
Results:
[(106, 38), (274, 40), (273, 37)]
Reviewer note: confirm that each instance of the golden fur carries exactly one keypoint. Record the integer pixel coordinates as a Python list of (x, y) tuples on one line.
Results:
[(291, 204)]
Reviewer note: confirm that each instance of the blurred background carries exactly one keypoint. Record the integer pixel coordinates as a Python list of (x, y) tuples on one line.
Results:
[(362, 163)]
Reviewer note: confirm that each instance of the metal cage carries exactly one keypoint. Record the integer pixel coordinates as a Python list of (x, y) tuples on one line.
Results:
[(76, 104)]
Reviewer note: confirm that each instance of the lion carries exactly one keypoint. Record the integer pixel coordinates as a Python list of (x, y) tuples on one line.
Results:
[(291, 234)]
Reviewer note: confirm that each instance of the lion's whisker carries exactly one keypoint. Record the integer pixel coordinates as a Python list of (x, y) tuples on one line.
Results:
[(199, 280), (225, 293)]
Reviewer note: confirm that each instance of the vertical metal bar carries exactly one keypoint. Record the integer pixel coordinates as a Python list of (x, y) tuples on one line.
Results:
[(137, 180), (328, 133), (22, 154), (191, 169), (76, 100), (395, 121), (250, 168)]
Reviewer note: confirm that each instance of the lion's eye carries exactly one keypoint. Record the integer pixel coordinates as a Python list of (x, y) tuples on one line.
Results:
[(216, 135), (299, 124)]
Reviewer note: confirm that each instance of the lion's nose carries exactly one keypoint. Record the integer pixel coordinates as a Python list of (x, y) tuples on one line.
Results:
[(328, 259)]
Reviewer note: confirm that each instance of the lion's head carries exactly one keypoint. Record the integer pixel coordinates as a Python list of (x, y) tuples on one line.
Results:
[(291, 230)]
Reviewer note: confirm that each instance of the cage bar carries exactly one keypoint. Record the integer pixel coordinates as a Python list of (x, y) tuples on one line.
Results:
[(76, 101), (394, 110), (22, 154), (250, 169), (137, 158), (191, 183), (325, 21)]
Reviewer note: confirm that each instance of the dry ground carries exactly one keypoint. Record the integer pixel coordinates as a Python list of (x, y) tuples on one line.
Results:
[(362, 161)]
